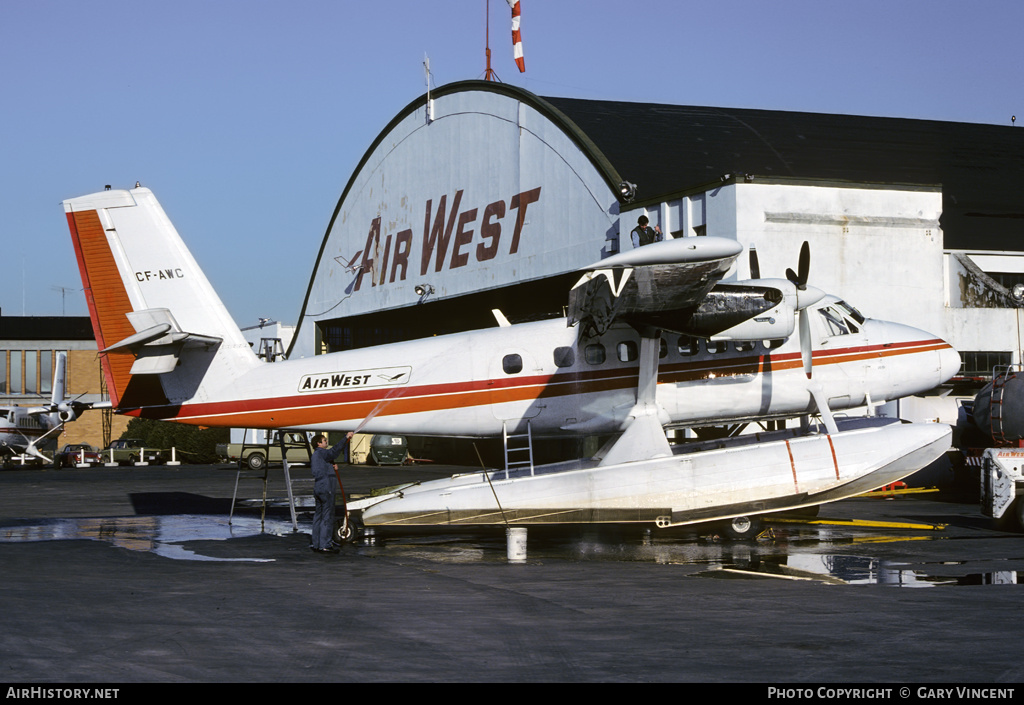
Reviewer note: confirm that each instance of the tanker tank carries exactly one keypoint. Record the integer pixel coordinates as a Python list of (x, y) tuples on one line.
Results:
[(999, 408)]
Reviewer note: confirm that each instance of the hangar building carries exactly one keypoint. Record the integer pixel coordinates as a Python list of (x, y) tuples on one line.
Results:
[(480, 195)]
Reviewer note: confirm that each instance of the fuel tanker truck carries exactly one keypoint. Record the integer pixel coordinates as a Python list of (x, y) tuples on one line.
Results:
[(999, 413)]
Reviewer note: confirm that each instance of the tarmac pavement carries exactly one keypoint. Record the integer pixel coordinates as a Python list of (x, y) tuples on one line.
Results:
[(135, 576)]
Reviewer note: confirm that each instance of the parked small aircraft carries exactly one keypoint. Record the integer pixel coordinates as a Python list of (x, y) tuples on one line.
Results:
[(23, 429), (653, 340)]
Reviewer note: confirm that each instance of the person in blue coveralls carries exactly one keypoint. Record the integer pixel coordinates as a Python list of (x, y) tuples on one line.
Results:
[(324, 487)]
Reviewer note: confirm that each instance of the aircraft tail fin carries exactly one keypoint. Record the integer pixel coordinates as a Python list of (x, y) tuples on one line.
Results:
[(163, 334), (60, 381)]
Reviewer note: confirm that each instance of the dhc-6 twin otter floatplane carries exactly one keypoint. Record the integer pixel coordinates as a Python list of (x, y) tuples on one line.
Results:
[(753, 350)]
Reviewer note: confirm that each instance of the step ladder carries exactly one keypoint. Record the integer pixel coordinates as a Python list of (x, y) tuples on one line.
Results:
[(518, 449), (263, 474)]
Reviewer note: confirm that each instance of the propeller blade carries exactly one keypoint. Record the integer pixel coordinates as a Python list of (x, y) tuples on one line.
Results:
[(805, 344), (755, 267), (804, 263), (803, 267)]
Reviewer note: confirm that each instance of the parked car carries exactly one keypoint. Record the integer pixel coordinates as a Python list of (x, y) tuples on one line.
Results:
[(128, 451), (388, 450), (255, 456), (73, 454)]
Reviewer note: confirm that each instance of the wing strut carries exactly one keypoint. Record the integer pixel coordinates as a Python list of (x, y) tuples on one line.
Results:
[(644, 435)]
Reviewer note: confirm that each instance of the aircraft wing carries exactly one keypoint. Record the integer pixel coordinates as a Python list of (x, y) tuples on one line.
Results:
[(673, 275)]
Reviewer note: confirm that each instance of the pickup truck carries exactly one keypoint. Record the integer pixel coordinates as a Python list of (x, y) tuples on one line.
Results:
[(255, 456), (128, 451)]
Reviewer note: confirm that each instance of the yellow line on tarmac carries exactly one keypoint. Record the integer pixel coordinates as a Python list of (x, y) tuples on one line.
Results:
[(860, 522), (893, 493)]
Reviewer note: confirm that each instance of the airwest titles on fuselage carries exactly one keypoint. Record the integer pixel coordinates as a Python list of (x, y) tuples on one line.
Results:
[(354, 379), (385, 258)]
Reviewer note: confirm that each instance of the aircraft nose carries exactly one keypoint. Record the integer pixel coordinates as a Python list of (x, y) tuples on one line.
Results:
[(949, 363)]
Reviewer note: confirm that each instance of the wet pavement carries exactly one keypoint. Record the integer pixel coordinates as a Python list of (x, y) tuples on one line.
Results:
[(139, 575)]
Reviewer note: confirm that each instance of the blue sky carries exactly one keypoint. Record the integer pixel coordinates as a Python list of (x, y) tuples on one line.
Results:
[(248, 118)]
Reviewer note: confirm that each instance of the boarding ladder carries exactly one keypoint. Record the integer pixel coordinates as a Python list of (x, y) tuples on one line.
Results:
[(1000, 376), (518, 449)]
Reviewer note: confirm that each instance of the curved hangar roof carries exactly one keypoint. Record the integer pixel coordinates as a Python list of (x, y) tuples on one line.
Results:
[(483, 189)]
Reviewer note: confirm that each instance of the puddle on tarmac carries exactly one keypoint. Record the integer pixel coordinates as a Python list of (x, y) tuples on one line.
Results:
[(162, 535), (796, 556), (806, 554)]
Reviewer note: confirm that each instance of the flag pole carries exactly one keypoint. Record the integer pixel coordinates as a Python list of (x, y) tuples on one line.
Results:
[(489, 74)]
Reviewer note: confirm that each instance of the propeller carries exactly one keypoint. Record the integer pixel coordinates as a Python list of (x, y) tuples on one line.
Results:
[(805, 297), (67, 410)]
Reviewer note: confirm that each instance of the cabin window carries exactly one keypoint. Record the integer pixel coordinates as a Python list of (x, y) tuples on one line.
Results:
[(850, 311), (835, 324), (744, 345), (775, 343), (512, 364), (627, 351), (688, 345), (662, 348), (716, 347), (565, 357), (594, 354)]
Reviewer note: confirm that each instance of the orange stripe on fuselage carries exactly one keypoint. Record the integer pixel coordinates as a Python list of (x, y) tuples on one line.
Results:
[(296, 411)]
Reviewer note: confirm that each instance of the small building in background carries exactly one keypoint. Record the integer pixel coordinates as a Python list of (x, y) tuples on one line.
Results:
[(28, 351)]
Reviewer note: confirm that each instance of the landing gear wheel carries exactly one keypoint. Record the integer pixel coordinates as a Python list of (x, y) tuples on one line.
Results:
[(741, 528), (347, 530)]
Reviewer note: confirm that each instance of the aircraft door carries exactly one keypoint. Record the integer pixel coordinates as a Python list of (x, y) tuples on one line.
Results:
[(833, 332)]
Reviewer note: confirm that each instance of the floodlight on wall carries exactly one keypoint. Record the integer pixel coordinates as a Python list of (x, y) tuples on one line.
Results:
[(423, 290), (1017, 293), (627, 191)]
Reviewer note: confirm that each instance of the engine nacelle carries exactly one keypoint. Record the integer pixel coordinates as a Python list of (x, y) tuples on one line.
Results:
[(771, 325), (756, 309)]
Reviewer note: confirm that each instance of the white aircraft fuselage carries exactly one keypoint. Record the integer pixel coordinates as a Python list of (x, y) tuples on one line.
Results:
[(21, 431), (457, 385), (172, 351)]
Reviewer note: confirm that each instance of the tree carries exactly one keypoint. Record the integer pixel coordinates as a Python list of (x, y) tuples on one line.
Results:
[(192, 444)]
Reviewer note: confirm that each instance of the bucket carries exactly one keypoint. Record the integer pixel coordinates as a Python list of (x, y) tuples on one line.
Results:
[(516, 538)]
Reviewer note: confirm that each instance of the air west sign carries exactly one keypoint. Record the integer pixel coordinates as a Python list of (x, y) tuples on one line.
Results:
[(453, 235)]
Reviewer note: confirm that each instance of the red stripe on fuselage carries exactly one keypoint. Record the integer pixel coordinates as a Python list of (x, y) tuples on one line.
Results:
[(299, 410)]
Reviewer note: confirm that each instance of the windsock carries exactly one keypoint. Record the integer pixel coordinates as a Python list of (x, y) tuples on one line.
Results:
[(517, 39)]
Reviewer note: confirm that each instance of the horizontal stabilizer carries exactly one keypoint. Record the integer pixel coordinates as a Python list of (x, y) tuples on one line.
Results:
[(158, 346)]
